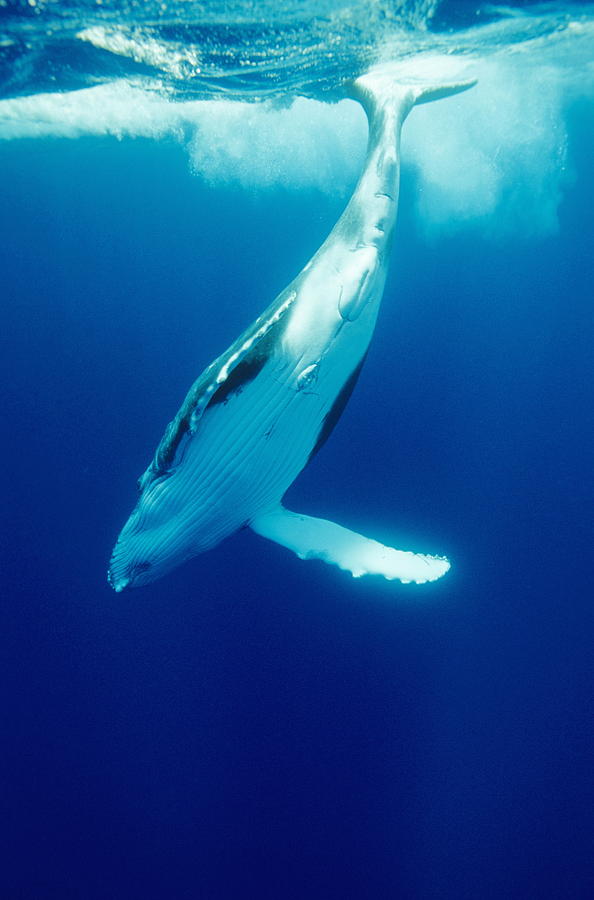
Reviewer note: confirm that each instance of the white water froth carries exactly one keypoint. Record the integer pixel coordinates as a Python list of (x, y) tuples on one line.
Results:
[(496, 155)]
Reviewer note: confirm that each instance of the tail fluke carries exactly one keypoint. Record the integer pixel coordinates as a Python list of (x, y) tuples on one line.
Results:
[(393, 82)]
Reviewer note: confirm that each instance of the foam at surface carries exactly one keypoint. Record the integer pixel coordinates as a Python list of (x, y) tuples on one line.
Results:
[(496, 155)]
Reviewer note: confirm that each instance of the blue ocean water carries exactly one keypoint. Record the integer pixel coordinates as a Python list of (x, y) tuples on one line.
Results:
[(254, 725)]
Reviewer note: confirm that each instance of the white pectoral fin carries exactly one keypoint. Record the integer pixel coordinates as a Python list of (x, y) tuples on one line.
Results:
[(312, 538)]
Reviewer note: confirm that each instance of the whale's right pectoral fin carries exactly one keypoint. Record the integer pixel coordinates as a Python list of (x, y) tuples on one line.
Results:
[(312, 538)]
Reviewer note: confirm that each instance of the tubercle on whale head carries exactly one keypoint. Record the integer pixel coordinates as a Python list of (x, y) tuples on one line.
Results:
[(117, 584), (128, 570), (143, 551)]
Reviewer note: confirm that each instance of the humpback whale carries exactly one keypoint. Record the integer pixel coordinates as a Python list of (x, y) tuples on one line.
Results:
[(255, 417)]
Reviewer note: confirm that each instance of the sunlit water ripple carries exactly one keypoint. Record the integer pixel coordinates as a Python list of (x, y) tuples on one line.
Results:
[(247, 50)]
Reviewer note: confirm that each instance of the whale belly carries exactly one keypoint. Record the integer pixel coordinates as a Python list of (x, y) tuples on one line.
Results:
[(248, 448), (245, 454)]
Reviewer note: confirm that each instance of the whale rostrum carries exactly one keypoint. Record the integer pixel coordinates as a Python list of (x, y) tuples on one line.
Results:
[(260, 411)]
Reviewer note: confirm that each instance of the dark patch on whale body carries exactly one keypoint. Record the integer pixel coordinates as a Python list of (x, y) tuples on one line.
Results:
[(337, 409), (238, 378)]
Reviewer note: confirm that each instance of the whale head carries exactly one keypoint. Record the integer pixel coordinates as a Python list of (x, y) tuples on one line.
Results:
[(145, 550), (159, 535)]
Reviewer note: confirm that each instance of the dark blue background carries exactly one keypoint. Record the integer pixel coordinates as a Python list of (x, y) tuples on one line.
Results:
[(255, 726)]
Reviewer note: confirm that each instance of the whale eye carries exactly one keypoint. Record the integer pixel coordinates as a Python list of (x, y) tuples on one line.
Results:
[(143, 566)]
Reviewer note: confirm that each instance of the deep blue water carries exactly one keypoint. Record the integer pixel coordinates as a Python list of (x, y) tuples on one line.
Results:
[(252, 725)]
